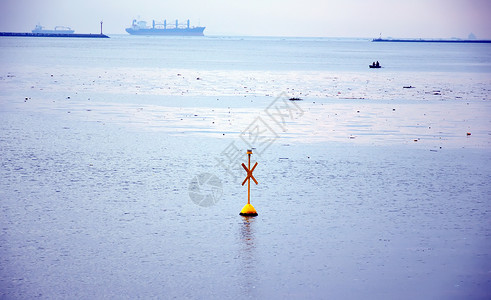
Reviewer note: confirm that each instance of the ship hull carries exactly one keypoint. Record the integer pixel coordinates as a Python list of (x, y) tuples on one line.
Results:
[(195, 31)]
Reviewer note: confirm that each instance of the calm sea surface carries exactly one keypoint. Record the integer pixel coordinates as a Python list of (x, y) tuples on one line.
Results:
[(97, 180), (244, 53)]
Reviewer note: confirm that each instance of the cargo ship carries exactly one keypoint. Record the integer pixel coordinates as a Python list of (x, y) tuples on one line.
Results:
[(176, 29)]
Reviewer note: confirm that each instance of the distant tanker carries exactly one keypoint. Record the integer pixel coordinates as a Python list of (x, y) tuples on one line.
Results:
[(141, 28), (57, 30)]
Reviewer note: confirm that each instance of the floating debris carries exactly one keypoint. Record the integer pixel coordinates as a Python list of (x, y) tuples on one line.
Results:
[(295, 99), (408, 87)]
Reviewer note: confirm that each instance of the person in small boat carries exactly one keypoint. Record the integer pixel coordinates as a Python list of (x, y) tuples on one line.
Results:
[(377, 64)]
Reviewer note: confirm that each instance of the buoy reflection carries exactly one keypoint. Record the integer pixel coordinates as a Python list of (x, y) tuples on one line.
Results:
[(247, 255)]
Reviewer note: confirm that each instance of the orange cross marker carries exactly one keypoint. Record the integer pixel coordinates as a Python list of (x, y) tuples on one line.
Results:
[(249, 172), (248, 209)]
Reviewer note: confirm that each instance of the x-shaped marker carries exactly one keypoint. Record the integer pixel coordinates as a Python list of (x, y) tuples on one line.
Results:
[(249, 173)]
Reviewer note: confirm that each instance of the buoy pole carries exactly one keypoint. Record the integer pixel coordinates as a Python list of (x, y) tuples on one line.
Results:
[(249, 180)]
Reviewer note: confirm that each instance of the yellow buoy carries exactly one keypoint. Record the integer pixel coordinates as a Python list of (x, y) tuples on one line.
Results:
[(248, 211)]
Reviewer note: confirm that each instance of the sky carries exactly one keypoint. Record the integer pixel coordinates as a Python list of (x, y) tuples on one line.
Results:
[(309, 18)]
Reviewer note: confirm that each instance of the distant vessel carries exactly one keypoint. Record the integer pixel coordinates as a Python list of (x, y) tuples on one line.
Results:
[(57, 30), (141, 28)]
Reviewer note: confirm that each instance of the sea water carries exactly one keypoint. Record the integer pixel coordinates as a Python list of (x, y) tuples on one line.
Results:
[(244, 53), (371, 189)]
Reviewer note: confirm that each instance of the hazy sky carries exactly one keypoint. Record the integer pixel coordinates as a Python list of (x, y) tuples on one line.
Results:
[(328, 18)]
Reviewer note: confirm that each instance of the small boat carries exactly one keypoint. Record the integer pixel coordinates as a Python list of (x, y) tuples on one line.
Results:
[(375, 65)]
